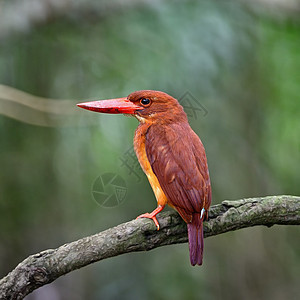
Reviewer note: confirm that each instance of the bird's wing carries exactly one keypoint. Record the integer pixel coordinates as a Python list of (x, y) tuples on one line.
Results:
[(178, 160)]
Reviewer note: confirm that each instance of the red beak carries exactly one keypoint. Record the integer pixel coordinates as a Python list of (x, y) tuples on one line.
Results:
[(112, 106)]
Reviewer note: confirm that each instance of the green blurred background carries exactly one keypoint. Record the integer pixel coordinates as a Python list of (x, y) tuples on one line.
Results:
[(238, 62)]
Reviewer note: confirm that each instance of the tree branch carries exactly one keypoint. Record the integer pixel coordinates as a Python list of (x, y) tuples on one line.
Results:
[(141, 235)]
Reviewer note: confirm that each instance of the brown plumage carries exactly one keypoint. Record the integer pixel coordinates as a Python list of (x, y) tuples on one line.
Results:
[(171, 155)]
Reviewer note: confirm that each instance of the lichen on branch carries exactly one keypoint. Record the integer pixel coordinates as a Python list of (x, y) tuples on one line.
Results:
[(141, 235)]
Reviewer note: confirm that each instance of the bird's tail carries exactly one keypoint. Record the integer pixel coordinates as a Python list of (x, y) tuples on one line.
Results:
[(195, 233)]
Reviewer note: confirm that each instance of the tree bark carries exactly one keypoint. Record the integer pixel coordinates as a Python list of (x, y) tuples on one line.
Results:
[(141, 235)]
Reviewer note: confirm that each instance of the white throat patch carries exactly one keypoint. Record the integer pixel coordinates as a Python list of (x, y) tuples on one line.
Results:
[(141, 119)]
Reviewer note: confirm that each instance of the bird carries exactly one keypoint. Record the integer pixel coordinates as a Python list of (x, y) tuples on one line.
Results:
[(171, 155)]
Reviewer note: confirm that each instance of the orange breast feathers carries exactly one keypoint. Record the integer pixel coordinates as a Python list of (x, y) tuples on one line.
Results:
[(174, 160), (140, 150)]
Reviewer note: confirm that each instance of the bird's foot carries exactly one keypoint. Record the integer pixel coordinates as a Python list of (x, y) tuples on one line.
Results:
[(152, 215)]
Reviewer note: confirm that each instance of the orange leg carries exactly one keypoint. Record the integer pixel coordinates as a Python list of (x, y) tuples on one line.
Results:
[(152, 215)]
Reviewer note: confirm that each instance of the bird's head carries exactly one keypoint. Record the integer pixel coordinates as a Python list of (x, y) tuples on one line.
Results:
[(146, 106)]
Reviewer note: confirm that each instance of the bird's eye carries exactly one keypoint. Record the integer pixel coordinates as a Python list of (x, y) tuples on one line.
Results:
[(145, 101)]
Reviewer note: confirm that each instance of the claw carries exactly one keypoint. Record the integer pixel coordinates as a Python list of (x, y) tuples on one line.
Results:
[(152, 215), (149, 216)]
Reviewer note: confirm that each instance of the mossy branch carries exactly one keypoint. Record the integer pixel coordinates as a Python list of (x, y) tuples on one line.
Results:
[(141, 235)]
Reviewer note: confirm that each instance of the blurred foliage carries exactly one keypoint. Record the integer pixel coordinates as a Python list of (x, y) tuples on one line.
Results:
[(241, 65)]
